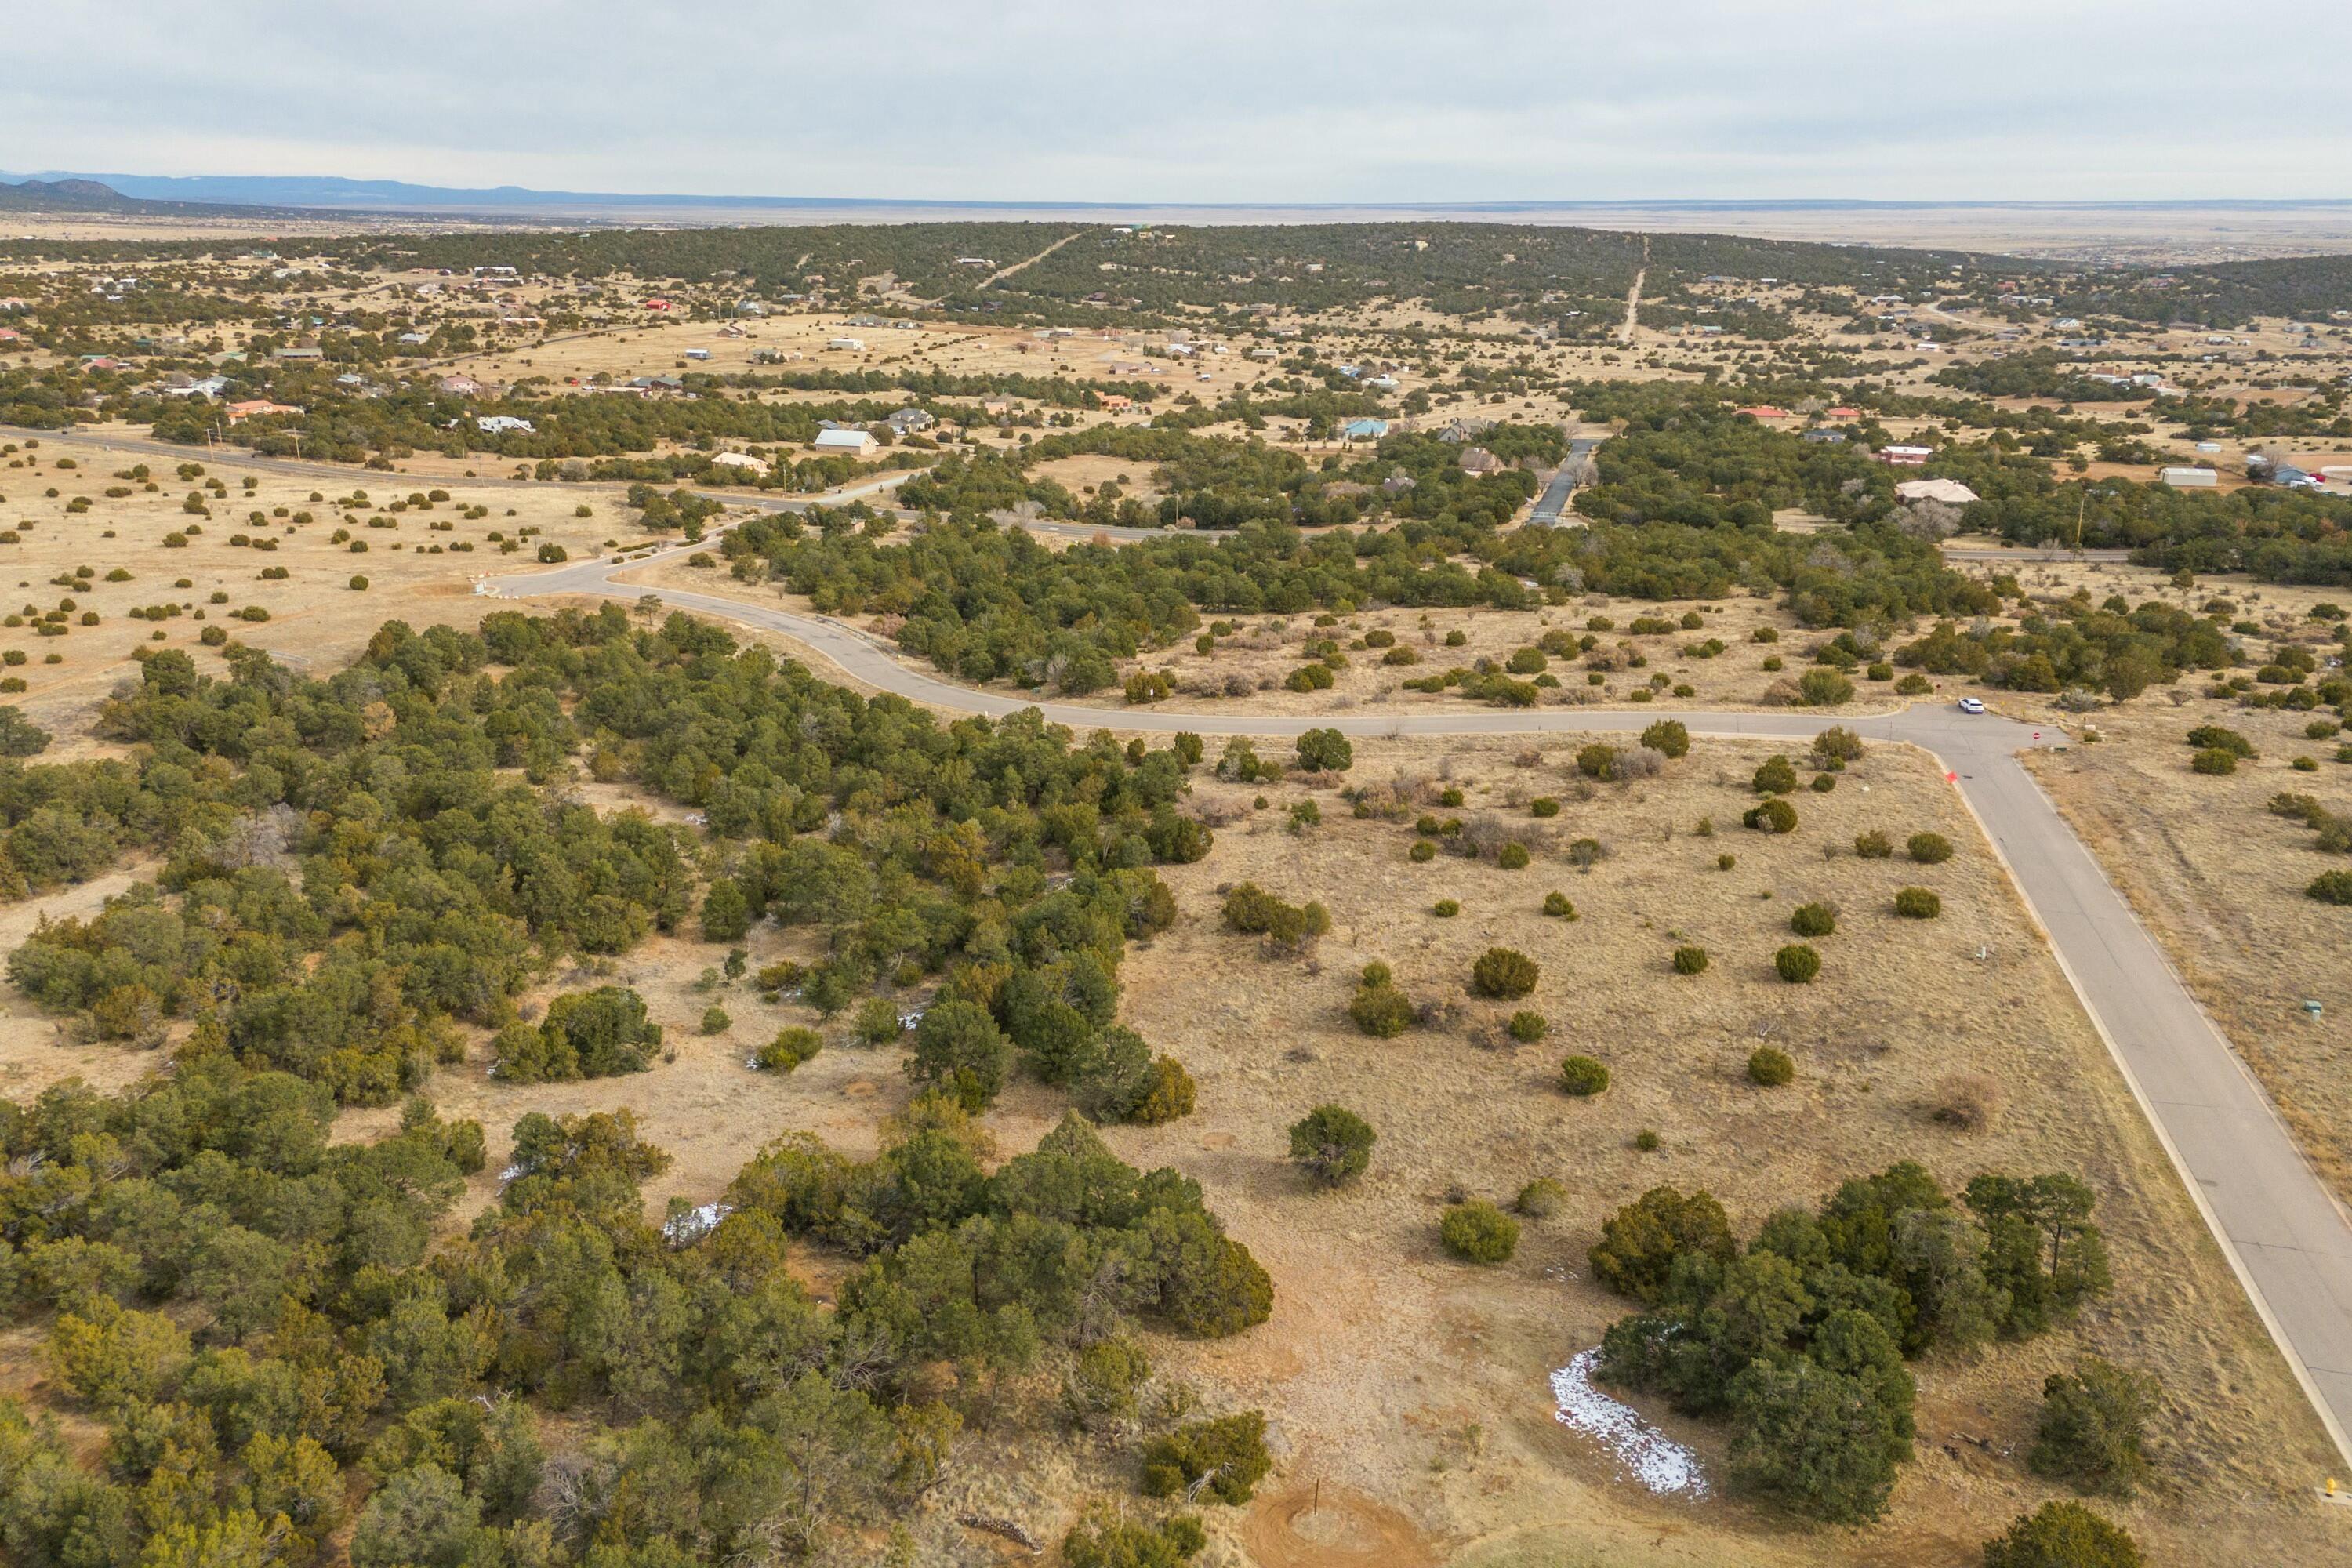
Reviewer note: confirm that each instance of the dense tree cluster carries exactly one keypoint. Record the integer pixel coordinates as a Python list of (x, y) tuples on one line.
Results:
[(1799, 1339)]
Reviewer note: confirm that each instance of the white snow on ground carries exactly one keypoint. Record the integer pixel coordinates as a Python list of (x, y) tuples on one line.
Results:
[(1655, 1461), (695, 1224)]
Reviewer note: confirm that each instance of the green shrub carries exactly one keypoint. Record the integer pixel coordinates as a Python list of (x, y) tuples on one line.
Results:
[(1823, 689), (1824, 782), (1582, 1077), (1169, 1094), (1504, 973), (1229, 1451), (715, 1021), (1332, 1144), (1380, 1008), (877, 1021), (1543, 805), (1918, 903), (1512, 856), (1478, 1232), (1542, 1198), (358, 584), (586, 1034), (1641, 1243), (2093, 1428), (1726, 862), (1928, 848), (1250, 909), (1774, 815), (1421, 852), (2214, 738), (1527, 1027), (1838, 744), (1768, 1067), (1668, 737), (1597, 761), (788, 1050), (1778, 776), (958, 1048), (2214, 762), (1914, 685), (1690, 961), (1557, 906), (2331, 888), (1647, 1141), (1797, 964), (1107, 1539), (1327, 751), (1812, 920), (2062, 1535), (1873, 846), (1445, 908)]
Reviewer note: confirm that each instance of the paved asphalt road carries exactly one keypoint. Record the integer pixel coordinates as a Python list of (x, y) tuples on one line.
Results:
[(2287, 1239), (1553, 503)]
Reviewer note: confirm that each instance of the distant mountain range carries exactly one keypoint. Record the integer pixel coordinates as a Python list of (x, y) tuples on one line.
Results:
[(80, 194), (398, 195), (55, 191)]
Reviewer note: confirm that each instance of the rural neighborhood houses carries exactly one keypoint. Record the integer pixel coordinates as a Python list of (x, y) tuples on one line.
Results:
[(843, 440)]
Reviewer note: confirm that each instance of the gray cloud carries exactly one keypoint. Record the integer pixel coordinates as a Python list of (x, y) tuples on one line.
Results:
[(1260, 100)]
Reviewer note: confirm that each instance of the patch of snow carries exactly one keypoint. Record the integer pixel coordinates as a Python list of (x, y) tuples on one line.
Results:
[(909, 1020), (509, 1173), (1654, 1460), (695, 1224)]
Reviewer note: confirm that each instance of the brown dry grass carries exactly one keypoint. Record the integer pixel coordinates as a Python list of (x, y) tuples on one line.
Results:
[(313, 613), (1383, 1352)]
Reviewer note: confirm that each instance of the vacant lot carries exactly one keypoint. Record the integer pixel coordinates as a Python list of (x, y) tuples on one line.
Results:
[(312, 614)]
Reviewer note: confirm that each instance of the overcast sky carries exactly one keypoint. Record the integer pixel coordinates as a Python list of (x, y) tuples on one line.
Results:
[(1203, 100)]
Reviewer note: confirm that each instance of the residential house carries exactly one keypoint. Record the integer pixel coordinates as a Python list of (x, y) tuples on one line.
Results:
[(415, 339), (1397, 483), (300, 353), (257, 408), (1906, 457), (1364, 429), (1823, 437), (911, 421), (1115, 402), (2187, 478), (845, 440), (697, 354), (1478, 460), (846, 345), (459, 386), (501, 423), (739, 460), (1949, 491)]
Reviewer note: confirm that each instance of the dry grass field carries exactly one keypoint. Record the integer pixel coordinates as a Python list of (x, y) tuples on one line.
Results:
[(314, 616)]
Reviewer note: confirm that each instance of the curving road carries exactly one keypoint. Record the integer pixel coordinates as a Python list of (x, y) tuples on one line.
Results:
[(2284, 1236)]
